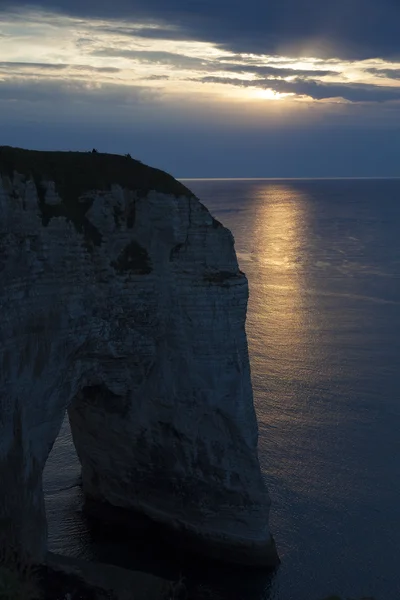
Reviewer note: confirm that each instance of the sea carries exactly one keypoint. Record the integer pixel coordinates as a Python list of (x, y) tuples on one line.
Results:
[(322, 257)]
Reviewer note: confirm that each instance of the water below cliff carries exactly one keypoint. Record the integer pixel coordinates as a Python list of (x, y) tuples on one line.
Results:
[(323, 262)]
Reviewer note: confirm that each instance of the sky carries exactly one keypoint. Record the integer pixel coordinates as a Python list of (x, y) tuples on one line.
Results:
[(207, 88)]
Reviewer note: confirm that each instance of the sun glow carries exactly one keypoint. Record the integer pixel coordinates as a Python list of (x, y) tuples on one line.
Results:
[(269, 94)]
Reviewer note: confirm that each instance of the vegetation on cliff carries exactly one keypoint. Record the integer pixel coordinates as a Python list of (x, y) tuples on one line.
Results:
[(75, 173)]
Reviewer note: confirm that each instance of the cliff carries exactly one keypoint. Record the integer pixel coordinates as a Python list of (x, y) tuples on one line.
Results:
[(123, 304)]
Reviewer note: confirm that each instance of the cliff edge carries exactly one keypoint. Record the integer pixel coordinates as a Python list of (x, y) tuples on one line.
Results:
[(122, 303)]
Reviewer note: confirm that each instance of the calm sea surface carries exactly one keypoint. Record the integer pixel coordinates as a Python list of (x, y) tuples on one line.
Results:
[(323, 262)]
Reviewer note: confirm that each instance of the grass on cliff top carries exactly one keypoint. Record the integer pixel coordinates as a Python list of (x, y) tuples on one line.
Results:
[(79, 172)]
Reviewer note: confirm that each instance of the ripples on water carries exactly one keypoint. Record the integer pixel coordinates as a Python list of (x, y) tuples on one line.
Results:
[(323, 262)]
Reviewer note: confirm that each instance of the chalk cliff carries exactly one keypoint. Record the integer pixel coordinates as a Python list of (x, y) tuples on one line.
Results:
[(122, 302)]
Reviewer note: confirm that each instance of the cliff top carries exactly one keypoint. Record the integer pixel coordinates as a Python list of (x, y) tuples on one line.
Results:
[(79, 172)]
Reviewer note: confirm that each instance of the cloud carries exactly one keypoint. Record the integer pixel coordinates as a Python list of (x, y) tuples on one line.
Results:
[(157, 57), (189, 62), (13, 66), (358, 29), (60, 71), (157, 78), (58, 92), (95, 69), (55, 46), (315, 89), (263, 71), (387, 73), (152, 33)]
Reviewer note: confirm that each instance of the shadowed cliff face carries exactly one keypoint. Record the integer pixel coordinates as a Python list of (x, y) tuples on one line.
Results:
[(122, 302)]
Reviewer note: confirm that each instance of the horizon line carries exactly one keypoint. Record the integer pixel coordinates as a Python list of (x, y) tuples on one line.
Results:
[(280, 178)]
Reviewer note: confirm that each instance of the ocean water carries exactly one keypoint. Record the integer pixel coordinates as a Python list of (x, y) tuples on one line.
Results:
[(323, 262)]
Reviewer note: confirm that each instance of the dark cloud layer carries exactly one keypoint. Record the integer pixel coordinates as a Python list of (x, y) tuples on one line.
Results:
[(53, 93), (387, 73), (155, 57), (316, 89), (343, 28), (152, 33), (265, 71), (14, 67)]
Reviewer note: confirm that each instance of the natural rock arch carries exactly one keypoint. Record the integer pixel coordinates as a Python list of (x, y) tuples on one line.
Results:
[(121, 298)]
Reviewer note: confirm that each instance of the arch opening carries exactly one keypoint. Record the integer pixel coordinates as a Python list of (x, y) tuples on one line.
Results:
[(79, 454)]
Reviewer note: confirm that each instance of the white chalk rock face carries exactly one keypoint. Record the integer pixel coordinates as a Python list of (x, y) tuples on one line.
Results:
[(122, 302)]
